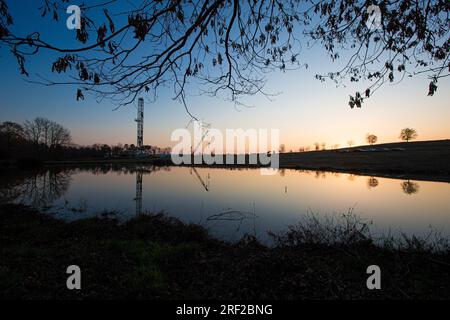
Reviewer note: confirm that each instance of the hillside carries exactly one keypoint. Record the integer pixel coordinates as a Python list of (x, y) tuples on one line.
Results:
[(429, 160)]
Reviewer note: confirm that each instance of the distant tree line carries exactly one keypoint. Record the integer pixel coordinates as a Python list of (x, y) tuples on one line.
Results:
[(43, 139)]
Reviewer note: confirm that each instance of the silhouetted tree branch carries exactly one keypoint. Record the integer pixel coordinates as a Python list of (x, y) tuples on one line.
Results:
[(227, 46)]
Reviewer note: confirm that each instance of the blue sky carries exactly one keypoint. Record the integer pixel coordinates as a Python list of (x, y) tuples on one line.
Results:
[(305, 110)]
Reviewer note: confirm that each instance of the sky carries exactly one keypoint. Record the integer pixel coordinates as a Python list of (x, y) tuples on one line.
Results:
[(304, 110)]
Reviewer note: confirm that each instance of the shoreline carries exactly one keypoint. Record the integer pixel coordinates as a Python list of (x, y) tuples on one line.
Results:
[(422, 161), (154, 256), (400, 175)]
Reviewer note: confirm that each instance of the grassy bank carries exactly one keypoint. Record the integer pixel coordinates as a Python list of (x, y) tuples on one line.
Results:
[(157, 257)]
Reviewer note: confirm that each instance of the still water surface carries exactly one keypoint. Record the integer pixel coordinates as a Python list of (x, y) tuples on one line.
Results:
[(231, 203)]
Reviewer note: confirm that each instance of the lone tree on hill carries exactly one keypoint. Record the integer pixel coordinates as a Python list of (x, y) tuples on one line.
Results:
[(408, 134), (371, 138)]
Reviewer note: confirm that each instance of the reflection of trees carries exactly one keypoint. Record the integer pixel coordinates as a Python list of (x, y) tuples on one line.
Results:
[(38, 189), (121, 168), (372, 182), (410, 187), (44, 188), (320, 174), (10, 188)]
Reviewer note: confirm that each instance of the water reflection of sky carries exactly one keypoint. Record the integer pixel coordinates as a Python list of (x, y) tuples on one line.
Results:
[(233, 202)]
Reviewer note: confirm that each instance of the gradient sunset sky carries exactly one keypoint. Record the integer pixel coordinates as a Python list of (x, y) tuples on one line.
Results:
[(305, 110)]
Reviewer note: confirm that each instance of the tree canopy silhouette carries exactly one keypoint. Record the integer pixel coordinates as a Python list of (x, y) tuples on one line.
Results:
[(47, 132), (408, 134), (227, 46), (371, 138), (410, 187)]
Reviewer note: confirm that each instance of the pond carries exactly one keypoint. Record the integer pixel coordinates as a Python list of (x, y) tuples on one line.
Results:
[(233, 202)]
